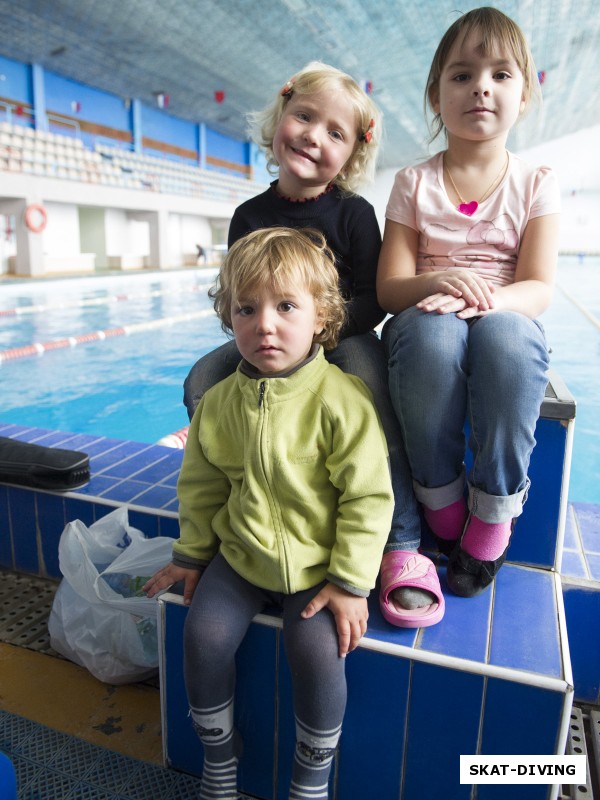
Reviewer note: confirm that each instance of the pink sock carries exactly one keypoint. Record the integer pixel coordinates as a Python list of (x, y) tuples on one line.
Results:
[(486, 541), (447, 522)]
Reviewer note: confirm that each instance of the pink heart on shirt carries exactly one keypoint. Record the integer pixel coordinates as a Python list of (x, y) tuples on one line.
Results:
[(468, 208)]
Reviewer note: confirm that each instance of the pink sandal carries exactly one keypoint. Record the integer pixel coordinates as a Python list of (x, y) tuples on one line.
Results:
[(401, 568)]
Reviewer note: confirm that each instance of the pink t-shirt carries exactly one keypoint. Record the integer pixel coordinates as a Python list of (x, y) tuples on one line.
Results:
[(489, 240)]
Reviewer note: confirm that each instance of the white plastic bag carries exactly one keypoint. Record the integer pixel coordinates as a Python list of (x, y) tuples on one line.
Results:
[(100, 619)]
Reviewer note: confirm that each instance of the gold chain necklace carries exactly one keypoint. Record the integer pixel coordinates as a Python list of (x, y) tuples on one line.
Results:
[(470, 208)]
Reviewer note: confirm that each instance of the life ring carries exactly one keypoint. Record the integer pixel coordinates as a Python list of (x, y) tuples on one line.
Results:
[(36, 218)]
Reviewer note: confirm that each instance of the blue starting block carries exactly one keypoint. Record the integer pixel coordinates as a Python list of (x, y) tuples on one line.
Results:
[(492, 678)]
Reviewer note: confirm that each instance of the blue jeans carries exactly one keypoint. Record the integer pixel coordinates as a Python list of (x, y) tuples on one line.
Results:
[(361, 355), (490, 371)]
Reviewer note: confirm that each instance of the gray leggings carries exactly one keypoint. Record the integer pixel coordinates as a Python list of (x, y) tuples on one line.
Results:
[(222, 609)]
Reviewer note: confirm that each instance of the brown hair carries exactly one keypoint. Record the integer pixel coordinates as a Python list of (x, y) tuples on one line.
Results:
[(498, 32)]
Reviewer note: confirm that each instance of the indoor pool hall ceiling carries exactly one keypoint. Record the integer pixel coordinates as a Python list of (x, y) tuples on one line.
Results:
[(215, 60)]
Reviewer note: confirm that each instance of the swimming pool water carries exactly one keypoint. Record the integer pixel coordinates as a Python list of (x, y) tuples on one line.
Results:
[(126, 386), (572, 325), (130, 386)]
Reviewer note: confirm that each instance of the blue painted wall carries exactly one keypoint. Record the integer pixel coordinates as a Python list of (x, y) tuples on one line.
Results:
[(112, 111), (15, 84)]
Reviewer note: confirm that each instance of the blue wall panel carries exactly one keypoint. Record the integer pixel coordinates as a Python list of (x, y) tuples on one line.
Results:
[(16, 82), (165, 128)]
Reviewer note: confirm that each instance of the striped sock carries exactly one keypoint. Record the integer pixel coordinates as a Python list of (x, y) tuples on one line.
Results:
[(215, 728), (312, 762)]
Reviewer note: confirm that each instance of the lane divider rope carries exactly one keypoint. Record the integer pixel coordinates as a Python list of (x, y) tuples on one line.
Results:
[(98, 301), (39, 348), (585, 311), (175, 440)]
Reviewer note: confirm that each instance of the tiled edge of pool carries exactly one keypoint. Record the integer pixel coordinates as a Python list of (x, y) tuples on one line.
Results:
[(142, 477)]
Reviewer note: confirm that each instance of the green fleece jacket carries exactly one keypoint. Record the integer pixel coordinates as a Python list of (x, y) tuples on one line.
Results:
[(288, 477)]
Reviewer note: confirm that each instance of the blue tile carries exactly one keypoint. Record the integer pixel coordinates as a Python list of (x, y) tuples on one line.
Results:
[(171, 478), (507, 730), (573, 565), (101, 446), (520, 640), (124, 491), (382, 631), (146, 523), (373, 731), (582, 610), (155, 472), (593, 561), (571, 540), (97, 486), (172, 506), (33, 434), (6, 556), (51, 439), (133, 465), (256, 707), (156, 497), (80, 441), (444, 718), (24, 529), (534, 540), (101, 510), (51, 521), (168, 526), (110, 458), (182, 746), (464, 630), (79, 509), (588, 518)]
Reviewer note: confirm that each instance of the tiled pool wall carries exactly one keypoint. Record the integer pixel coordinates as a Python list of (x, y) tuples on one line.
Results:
[(141, 476)]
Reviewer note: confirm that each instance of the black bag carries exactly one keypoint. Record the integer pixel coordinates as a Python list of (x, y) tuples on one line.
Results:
[(42, 467)]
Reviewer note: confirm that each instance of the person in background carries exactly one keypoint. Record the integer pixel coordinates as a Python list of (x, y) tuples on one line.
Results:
[(467, 265), (285, 499)]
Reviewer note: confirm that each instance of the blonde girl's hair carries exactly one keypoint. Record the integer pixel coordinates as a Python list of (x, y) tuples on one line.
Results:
[(313, 78), (498, 33), (280, 259)]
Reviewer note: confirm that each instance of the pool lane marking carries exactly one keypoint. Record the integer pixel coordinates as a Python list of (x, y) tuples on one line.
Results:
[(39, 348), (586, 312), (99, 301)]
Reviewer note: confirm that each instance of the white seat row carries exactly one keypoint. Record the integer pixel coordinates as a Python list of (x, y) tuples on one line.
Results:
[(24, 149)]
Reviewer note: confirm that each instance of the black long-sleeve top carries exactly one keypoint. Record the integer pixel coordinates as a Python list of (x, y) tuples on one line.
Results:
[(351, 230)]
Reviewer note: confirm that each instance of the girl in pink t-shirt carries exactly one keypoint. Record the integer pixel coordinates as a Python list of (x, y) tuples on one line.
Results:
[(467, 265)]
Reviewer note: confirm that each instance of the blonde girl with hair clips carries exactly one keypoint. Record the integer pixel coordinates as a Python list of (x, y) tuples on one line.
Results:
[(467, 265), (321, 135), (285, 499)]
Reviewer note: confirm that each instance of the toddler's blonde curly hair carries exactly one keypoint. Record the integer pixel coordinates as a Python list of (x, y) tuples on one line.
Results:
[(281, 259)]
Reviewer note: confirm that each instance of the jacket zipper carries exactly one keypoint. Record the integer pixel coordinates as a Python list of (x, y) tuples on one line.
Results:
[(261, 393)]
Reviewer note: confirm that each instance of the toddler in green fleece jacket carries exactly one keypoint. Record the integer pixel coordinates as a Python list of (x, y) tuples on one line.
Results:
[(285, 499)]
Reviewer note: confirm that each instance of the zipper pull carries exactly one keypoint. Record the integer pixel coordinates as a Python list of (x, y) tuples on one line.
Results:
[(261, 393)]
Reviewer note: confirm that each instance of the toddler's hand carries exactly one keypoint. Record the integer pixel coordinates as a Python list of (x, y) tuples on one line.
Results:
[(350, 613), (171, 574)]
